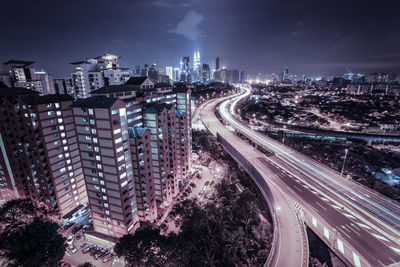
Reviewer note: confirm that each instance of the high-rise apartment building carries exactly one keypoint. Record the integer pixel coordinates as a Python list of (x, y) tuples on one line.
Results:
[(40, 150), (102, 133), (94, 73), (125, 150), (21, 74)]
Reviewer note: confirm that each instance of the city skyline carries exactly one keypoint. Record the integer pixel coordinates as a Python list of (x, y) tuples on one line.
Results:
[(200, 133), (286, 34)]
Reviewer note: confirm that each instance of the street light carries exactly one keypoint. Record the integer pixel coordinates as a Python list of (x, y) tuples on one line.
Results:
[(344, 160)]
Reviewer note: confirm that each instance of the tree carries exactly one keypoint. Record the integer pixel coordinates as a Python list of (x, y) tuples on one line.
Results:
[(16, 214), (28, 237), (38, 244), (145, 248)]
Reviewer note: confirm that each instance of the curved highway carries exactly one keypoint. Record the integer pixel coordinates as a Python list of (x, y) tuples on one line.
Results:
[(290, 245), (367, 221)]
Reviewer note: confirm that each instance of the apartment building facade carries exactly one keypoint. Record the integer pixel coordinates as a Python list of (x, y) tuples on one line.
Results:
[(101, 125), (40, 150), (94, 73), (125, 151)]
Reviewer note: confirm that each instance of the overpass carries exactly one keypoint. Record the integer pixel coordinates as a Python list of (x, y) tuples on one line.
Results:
[(290, 244), (359, 224)]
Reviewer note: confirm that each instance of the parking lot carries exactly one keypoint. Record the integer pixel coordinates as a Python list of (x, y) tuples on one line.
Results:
[(82, 247)]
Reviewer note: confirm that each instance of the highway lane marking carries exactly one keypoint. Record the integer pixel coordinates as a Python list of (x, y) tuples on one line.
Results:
[(364, 225), (352, 224), (396, 249), (348, 215), (321, 206), (344, 233), (298, 188), (380, 237), (314, 192), (336, 201)]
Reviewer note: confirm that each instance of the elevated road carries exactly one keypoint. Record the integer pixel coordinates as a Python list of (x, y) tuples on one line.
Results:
[(359, 223), (290, 245)]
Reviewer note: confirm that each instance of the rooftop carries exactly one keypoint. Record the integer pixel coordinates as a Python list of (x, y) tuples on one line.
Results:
[(179, 113), (108, 57), (19, 62), (136, 131), (95, 102), (37, 100), (157, 108), (110, 89), (136, 81), (9, 91)]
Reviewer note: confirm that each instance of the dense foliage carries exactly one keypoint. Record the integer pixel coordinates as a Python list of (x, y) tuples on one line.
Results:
[(231, 230), (28, 237), (225, 233)]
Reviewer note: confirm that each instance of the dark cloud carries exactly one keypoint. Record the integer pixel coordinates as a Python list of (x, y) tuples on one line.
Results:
[(319, 37)]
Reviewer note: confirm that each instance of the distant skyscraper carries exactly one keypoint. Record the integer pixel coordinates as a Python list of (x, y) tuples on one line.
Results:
[(217, 63), (242, 79), (169, 73), (285, 74), (137, 71), (153, 73), (145, 70), (176, 74), (235, 76), (205, 73), (196, 66), (186, 64), (185, 67)]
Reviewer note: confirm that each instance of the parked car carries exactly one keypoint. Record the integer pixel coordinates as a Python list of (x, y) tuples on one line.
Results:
[(77, 228), (73, 249), (70, 239), (68, 225), (104, 254), (100, 252), (108, 257), (84, 245), (94, 251), (88, 248), (193, 185)]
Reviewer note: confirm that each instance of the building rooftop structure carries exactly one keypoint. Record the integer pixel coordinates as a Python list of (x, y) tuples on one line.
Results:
[(136, 131), (95, 102), (22, 63), (15, 91), (157, 108), (136, 81), (37, 100)]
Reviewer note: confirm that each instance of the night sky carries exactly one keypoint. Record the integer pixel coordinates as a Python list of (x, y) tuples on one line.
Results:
[(315, 37)]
